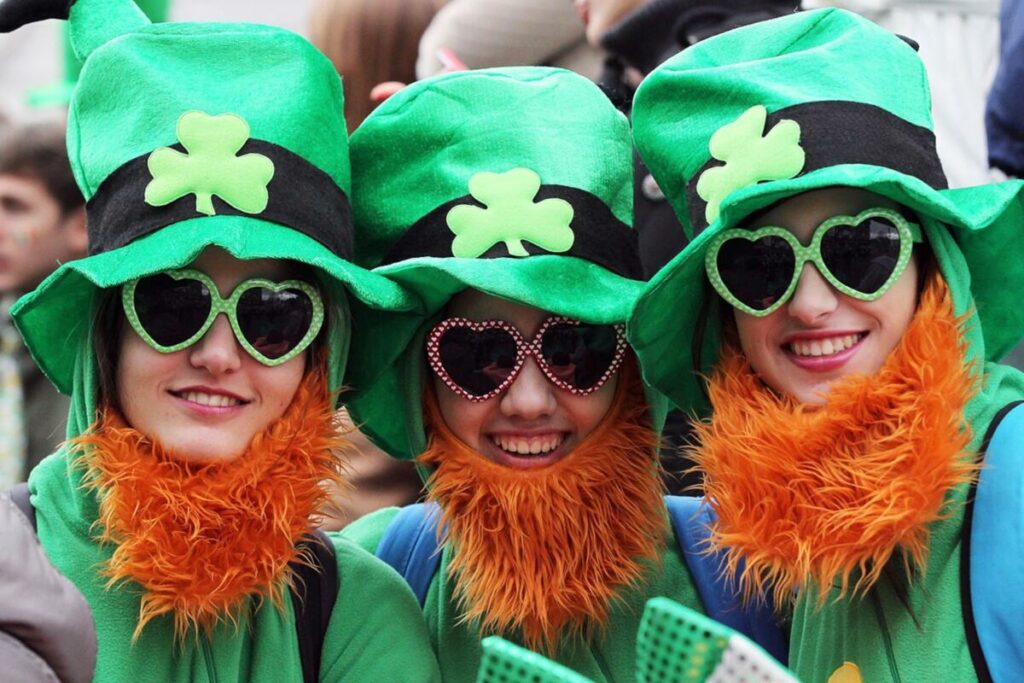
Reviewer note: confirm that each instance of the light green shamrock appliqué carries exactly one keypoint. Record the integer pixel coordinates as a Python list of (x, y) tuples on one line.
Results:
[(510, 217), (210, 166), (749, 158)]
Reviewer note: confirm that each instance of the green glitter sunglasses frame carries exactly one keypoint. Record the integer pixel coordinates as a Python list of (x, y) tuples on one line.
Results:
[(909, 233), (228, 307)]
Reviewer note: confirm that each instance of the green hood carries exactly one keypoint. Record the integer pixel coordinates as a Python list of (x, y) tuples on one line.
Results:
[(780, 108), (516, 182)]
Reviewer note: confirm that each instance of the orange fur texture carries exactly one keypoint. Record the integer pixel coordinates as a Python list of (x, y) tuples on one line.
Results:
[(201, 538), (542, 553), (823, 496)]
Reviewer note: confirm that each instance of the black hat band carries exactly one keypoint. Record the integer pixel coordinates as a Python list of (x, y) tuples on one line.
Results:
[(301, 197), (600, 237), (837, 132)]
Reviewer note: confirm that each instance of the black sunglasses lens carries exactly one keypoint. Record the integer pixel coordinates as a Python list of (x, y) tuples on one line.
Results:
[(274, 322), (579, 355), (170, 310), (757, 272), (477, 361), (862, 256)]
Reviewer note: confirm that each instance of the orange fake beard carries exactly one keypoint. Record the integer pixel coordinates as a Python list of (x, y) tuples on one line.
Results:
[(542, 553), (201, 538), (825, 495)]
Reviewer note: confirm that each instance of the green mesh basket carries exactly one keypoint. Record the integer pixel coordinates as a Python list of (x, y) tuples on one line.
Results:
[(677, 645), (504, 662)]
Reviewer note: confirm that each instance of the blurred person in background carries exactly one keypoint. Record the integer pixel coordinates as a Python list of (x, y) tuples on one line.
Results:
[(42, 224), (487, 33), (370, 42)]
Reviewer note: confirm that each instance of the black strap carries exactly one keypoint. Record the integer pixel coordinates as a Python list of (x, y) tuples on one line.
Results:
[(19, 494), (970, 628), (314, 591)]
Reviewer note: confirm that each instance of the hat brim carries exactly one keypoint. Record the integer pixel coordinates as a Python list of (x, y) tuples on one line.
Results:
[(55, 318), (388, 409), (987, 223)]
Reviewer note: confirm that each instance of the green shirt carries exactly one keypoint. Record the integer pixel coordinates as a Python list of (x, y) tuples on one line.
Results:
[(609, 657), (376, 631)]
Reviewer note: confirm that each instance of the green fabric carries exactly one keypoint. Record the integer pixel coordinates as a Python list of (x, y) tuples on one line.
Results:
[(972, 232), (816, 55), (376, 633), (420, 148), (497, 134), (607, 658), (141, 88)]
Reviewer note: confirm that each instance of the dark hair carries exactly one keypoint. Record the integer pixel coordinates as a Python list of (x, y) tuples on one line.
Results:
[(38, 151)]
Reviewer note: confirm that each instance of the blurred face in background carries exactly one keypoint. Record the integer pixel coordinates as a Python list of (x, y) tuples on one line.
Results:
[(601, 15), (36, 235)]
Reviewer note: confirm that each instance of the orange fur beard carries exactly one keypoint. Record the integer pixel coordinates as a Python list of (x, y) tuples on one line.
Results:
[(542, 553), (825, 495), (200, 538)]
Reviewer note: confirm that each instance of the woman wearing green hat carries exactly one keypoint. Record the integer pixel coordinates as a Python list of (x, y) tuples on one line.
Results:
[(514, 390), (204, 342), (846, 311)]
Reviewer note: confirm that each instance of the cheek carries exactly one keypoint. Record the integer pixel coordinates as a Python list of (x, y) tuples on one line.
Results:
[(277, 385), (464, 418), (754, 336), (139, 372), (587, 412)]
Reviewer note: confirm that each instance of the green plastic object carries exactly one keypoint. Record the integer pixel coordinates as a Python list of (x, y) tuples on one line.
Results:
[(677, 645), (505, 662)]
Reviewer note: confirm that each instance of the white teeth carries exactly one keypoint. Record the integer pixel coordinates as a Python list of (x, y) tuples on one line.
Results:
[(823, 347), (537, 445), (212, 400)]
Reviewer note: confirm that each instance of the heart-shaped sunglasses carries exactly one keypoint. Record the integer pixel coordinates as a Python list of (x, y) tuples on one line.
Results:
[(757, 271), (480, 359), (273, 321)]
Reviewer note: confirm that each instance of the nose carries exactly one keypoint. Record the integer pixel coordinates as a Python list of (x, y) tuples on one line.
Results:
[(814, 298), (218, 351), (531, 395)]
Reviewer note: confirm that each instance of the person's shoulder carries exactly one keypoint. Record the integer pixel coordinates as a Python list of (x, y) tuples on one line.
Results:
[(367, 531), (377, 632)]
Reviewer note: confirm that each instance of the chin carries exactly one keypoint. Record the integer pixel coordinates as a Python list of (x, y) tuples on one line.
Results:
[(206, 452)]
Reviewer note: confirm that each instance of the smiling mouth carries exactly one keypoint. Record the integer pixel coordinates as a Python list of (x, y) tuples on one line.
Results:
[(827, 346), (521, 447), (210, 400)]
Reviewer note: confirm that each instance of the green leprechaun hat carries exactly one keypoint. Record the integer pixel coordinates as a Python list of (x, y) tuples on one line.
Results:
[(812, 100), (516, 182), (183, 136)]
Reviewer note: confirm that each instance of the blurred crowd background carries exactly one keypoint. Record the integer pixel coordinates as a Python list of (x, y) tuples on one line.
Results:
[(378, 45)]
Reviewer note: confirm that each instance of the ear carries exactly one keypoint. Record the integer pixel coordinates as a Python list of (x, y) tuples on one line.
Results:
[(76, 237)]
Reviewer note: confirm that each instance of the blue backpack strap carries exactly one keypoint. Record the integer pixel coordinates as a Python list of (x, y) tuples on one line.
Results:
[(992, 555), (410, 546), (691, 521)]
